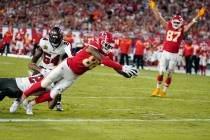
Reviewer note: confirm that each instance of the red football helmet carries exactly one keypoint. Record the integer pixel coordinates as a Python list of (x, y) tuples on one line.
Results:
[(177, 22), (106, 40)]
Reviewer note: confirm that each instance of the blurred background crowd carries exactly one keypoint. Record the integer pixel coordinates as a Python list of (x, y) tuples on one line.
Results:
[(24, 22)]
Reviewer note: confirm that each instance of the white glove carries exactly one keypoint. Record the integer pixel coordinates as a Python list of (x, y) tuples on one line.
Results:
[(45, 72), (130, 71)]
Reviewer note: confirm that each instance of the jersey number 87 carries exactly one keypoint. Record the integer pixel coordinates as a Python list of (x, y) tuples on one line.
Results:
[(172, 36)]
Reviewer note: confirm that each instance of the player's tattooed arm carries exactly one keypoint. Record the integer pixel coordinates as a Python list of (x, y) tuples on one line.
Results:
[(93, 51), (34, 60), (103, 59)]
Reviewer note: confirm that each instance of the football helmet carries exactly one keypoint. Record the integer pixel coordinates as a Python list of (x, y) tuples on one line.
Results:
[(177, 22), (106, 40), (55, 36)]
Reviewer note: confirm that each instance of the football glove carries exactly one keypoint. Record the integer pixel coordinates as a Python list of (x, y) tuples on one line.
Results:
[(130, 71), (45, 72), (152, 4), (201, 12)]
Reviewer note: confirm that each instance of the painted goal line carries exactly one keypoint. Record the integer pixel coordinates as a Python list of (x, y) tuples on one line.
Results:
[(105, 120)]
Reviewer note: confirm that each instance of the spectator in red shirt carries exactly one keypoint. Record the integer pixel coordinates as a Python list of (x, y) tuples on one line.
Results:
[(1, 43), (188, 53), (36, 38), (138, 54), (124, 50), (7, 40)]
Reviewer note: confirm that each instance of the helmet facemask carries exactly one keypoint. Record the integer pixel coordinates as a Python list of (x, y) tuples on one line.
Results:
[(55, 37), (177, 22), (106, 47)]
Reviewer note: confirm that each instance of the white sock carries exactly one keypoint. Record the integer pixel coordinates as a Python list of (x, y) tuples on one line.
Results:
[(165, 88), (158, 85)]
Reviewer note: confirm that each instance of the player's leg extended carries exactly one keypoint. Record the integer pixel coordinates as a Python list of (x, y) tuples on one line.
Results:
[(54, 75), (171, 68), (167, 83), (68, 77), (162, 68), (50, 95)]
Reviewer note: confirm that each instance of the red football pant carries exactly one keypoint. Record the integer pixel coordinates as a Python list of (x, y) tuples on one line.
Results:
[(34, 88), (43, 98)]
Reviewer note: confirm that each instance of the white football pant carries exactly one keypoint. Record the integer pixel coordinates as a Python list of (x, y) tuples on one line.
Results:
[(62, 76), (168, 61)]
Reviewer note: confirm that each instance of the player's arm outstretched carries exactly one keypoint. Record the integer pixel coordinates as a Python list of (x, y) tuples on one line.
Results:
[(33, 66), (157, 15), (201, 12), (126, 71)]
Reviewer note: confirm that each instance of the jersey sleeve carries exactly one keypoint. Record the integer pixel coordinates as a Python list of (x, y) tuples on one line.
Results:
[(42, 43), (67, 48), (93, 44)]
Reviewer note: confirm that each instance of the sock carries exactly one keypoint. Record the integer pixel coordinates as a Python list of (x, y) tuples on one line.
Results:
[(34, 88), (43, 98), (159, 80), (59, 99), (167, 83), (165, 88), (33, 102)]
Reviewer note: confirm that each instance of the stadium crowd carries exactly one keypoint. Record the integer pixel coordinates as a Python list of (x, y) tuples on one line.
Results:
[(131, 21)]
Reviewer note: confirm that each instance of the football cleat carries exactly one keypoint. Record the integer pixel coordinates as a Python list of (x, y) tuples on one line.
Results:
[(29, 109), (59, 107), (156, 92), (25, 104), (14, 106), (163, 94)]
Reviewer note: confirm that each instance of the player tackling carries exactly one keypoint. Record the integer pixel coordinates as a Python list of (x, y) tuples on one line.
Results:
[(51, 52), (175, 30)]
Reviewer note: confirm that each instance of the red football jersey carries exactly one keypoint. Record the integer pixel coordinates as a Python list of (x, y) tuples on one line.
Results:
[(173, 38), (83, 61)]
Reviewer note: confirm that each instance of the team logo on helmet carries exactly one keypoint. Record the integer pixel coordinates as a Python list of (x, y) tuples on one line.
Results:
[(106, 40)]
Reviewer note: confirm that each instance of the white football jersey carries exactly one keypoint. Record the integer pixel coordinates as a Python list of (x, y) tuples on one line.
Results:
[(25, 82), (52, 56)]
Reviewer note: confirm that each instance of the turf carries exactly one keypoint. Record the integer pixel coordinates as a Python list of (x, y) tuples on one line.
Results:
[(102, 94)]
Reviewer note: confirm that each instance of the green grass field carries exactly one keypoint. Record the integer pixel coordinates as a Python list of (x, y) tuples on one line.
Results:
[(102, 105)]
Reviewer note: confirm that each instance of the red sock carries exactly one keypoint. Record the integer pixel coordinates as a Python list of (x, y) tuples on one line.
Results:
[(34, 88), (160, 79), (44, 97), (168, 81)]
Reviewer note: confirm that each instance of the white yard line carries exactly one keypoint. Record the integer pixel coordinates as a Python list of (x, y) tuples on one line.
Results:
[(104, 120), (133, 97)]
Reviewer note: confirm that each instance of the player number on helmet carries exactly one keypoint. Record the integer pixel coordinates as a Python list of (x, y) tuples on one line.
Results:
[(172, 36), (90, 62)]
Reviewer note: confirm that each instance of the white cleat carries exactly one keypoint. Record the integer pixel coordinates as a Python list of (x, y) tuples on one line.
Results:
[(25, 104), (29, 109), (14, 106)]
